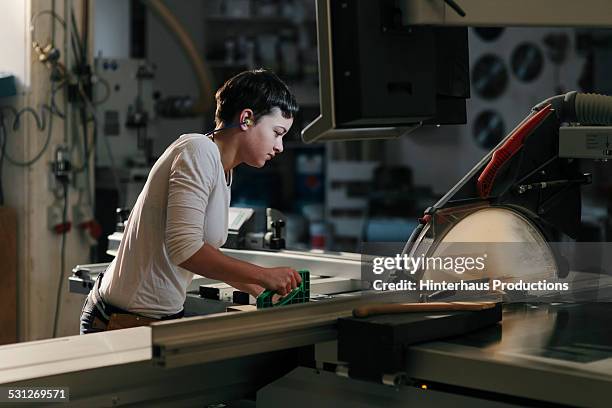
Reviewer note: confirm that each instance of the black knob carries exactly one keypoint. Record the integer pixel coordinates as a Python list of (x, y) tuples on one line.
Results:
[(276, 242), (122, 216), (278, 226)]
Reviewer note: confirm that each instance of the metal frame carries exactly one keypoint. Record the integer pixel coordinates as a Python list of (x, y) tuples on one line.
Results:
[(323, 128), (143, 385), (218, 337), (552, 13)]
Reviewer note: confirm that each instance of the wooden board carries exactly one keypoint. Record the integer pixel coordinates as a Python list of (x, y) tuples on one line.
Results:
[(8, 275)]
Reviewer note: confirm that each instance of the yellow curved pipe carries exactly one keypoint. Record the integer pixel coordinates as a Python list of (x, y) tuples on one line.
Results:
[(204, 103)]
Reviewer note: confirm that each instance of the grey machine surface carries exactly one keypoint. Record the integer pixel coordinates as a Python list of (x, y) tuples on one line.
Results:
[(255, 235), (543, 353)]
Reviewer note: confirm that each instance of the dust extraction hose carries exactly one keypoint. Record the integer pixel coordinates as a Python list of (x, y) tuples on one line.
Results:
[(204, 103), (593, 109), (583, 108)]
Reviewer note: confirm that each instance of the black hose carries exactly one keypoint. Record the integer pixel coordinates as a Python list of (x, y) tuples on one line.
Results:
[(2, 148), (58, 299)]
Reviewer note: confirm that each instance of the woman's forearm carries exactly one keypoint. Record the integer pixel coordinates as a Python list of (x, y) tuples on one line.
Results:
[(211, 263), (250, 288)]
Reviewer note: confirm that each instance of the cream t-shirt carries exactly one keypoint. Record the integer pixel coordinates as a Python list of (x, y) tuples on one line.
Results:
[(183, 204)]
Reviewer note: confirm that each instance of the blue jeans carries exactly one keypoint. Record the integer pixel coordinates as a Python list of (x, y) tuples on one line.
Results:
[(96, 313), (92, 321)]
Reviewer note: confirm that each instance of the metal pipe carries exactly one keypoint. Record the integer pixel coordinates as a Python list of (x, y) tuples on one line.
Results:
[(204, 103)]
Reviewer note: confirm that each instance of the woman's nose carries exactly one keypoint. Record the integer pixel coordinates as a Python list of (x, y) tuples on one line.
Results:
[(278, 147)]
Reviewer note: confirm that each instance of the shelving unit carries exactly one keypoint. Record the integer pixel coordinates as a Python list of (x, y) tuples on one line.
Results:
[(238, 37), (274, 34), (252, 20), (279, 35)]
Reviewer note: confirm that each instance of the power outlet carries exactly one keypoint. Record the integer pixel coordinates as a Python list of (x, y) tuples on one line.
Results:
[(81, 213), (80, 181), (52, 182), (55, 215)]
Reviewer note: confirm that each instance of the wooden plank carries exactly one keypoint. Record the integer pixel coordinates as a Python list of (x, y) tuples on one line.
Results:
[(8, 275)]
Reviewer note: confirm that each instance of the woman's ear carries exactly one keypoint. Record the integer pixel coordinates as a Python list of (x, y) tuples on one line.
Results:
[(246, 119)]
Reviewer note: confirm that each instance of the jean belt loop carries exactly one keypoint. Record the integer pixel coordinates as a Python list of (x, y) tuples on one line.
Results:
[(98, 302)]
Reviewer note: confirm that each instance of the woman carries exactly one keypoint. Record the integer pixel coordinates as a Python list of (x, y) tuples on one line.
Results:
[(180, 218)]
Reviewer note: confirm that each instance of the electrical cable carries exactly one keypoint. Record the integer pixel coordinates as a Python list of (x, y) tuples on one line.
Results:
[(93, 148), (84, 168), (78, 48), (62, 261), (85, 23), (81, 145), (49, 55), (2, 146), (81, 46), (107, 88), (54, 107), (35, 17), (116, 179), (75, 48), (40, 119), (37, 157), (41, 124), (88, 151), (53, 22), (456, 7)]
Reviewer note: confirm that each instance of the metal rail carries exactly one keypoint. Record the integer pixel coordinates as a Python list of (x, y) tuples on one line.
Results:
[(218, 337)]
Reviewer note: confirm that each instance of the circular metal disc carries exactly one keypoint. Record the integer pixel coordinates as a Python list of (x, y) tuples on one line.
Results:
[(512, 247)]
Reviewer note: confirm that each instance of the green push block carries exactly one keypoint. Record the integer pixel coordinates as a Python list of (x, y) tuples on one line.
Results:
[(301, 294)]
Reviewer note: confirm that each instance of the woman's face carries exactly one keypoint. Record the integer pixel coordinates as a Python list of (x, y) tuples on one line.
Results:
[(264, 139)]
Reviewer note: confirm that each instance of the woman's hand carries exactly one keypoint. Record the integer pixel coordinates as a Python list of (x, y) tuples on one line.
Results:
[(211, 263), (282, 279)]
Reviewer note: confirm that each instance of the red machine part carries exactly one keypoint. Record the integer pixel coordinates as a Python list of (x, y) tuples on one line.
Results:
[(509, 149), (64, 228), (93, 228), (425, 219)]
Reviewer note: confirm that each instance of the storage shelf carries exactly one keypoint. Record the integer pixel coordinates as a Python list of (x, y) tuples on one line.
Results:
[(223, 64), (251, 20), (294, 144)]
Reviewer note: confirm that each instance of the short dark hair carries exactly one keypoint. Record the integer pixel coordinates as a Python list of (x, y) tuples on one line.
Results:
[(260, 90)]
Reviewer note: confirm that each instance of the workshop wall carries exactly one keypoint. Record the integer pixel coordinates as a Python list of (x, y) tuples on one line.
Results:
[(439, 157), (174, 75), (111, 42), (27, 190)]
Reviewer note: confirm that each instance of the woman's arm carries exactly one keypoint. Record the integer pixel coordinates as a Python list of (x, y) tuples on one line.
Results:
[(190, 184), (211, 263), (250, 288)]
